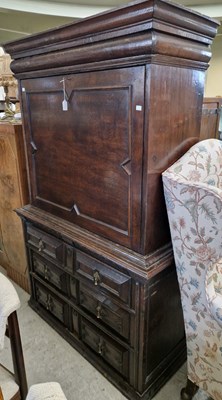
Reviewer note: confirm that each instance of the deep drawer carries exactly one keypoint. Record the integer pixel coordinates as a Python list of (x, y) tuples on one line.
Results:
[(105, 310), (51, 303), (112, 352), (45, 243), (103, 276), (49, 272)]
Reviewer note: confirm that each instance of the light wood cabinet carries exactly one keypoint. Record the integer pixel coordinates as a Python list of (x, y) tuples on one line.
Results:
[(211, 116), (13, 194)]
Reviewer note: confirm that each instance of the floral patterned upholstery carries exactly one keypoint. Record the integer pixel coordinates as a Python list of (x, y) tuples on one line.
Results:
[(193, 194)]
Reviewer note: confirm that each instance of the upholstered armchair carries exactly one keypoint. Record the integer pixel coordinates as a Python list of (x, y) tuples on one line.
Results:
[(14, 386), (193, 194)]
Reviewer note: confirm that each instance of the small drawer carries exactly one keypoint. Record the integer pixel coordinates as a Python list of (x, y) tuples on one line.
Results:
[(49, 272), (51, 303), (111, 352), (45, 243), (103, 276), (105, 311)]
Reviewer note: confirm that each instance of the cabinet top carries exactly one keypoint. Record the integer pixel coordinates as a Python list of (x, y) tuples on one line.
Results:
[(138, 30)]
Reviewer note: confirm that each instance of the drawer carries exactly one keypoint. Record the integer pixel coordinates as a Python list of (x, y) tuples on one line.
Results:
[(53, 304), (109, 350), (105, 310), (49, 272), (45, 243), (103, 276)]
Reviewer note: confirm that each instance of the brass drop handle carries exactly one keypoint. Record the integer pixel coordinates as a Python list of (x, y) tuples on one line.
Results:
[(49, 303), (96, 278), (100, 347), (41, 245), (46, 273), (98, 311)]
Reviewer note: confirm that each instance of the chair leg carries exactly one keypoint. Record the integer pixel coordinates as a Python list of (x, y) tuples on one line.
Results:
[(17, 354), (189, 391)]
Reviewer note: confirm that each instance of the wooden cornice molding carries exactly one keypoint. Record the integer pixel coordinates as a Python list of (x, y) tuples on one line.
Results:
[(139, 30)]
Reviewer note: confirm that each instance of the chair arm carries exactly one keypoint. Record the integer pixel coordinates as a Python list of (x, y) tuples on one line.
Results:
[(213, 289)]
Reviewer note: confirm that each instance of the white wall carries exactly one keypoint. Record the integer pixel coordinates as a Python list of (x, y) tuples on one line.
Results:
[(213, 85)]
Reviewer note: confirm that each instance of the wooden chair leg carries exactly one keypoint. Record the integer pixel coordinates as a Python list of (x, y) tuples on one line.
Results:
[(1, 395), (189, 391), (17, 355)]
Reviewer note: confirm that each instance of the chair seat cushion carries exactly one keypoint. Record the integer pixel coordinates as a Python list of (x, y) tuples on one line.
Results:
[(7, 383), (9, 302), (46, 391)]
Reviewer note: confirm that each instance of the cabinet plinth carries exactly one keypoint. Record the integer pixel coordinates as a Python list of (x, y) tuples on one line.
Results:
[(108, 103)]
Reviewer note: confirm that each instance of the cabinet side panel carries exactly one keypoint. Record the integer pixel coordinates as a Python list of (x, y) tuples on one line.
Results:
[(174, 114), (164, 344)]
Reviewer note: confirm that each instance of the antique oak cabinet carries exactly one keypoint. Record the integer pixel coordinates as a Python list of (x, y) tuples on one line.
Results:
[(108, 103)]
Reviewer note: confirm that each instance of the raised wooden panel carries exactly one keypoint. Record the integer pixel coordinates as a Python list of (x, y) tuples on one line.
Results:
[(93, 146), (105, 310), (45, 243), (49, 272), (103, 277), (53, 304), (112, 352)]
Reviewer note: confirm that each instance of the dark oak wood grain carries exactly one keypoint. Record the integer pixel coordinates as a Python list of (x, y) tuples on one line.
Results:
[(108, 103)]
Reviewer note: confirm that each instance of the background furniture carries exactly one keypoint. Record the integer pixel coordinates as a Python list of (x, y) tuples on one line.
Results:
[(211, 117), (108, 103), (7, 80), (13, 194), (14, 386), (193, 191)]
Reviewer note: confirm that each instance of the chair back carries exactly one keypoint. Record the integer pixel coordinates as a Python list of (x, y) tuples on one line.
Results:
[(193, 195)]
